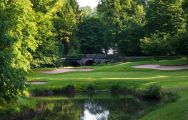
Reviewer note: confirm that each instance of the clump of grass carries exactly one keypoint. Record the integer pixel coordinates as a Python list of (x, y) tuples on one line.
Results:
[(70, 90), (40, 92), (170, 96), (152, 92), (115, 89), (90, 89)]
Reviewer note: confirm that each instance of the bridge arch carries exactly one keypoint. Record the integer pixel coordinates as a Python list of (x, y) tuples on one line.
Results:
[(75, 63), (89, 62)]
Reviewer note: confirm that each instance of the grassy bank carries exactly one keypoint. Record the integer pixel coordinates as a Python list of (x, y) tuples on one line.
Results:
[(103, 77), (123, 75)]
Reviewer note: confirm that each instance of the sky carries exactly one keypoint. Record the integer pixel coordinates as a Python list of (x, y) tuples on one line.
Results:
[(91, 3)]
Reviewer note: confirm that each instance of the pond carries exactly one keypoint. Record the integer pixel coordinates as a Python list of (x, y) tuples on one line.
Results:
[(88, 108)]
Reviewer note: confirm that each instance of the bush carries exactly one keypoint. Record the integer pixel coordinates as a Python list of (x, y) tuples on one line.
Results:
[(170, 96), (70, 90), (90, 89), (115, 89), (152, 92), (157, 44), (42, 92)]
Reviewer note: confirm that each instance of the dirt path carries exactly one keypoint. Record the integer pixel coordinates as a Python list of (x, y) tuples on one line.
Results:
[(64, 70), (159, 67)]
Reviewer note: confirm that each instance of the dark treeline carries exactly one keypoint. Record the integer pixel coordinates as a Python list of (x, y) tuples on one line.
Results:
[(37, 33)]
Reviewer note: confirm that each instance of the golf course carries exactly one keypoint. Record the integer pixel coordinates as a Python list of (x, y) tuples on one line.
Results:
[(93, 59)]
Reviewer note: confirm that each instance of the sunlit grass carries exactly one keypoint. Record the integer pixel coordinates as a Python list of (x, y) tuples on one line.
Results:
[(122, 74)]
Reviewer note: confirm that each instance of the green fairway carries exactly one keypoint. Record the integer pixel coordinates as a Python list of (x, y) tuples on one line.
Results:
[(105, 76), (122, 74)]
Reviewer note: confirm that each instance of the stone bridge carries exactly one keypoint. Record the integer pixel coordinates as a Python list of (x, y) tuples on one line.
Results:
[(90, 59)]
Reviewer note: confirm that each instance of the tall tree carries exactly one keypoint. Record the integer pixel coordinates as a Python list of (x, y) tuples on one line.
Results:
[(47, 53), (85, 12), (165, 18), (123, 18), (65, 24), (91, 34), (17, 33), (183, 43)]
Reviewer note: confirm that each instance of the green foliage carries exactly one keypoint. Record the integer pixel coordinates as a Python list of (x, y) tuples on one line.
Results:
[(65, 24), (90, 89), (165, 16), (184, 39), (129, 43), (47, 53), (157, 44), (165, 25), (70, 90), (152, 92), (115, 89), (18, 30), (170, 96), (86, 12), (91, 36), (180, 44), (124, 20)]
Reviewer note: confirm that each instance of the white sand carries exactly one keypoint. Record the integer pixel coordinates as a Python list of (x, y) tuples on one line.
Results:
[(159, 67), (38, 83), (63, 70)]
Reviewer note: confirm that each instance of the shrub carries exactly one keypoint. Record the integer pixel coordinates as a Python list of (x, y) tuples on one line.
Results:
[(90, 89), (115, 89), (42, 92), (70, 90), (152, 92), (170, 96)]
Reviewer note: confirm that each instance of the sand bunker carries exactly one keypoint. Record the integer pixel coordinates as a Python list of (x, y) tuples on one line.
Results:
[(38, 82), (160, 67), (64, 70)]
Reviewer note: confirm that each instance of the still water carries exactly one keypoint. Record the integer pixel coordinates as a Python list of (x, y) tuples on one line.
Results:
[(89, 108)]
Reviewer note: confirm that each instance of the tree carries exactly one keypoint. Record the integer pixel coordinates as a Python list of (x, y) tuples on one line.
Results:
[(123, 19), (86, 12), (17, 40), (181, 44), (165, 16), (184, 40), (157, 44), (65, 24), (48, 51), (165, 25), (91, 36)]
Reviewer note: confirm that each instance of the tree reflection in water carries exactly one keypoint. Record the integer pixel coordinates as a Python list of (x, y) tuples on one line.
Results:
[(109, 108), (93, 111)]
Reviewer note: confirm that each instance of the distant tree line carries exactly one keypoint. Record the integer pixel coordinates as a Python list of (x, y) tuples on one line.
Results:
[(135, 28), (146, 27), (37, 33)]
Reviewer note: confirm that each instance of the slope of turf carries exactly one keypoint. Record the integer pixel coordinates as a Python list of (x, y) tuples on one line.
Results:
[(103, 77)]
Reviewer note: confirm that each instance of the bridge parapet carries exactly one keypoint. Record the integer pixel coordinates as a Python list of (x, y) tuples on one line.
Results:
[(89, 59)]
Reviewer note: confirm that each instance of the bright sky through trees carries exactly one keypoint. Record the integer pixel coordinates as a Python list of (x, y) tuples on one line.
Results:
[(91, 3)]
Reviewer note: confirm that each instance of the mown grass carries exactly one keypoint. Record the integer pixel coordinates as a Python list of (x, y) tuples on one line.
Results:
[(103, 77), (180, 61), (173, 111), (122, 74)]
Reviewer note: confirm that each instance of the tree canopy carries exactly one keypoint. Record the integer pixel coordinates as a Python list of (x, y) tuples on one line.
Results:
[(18, 30), (37, 33)]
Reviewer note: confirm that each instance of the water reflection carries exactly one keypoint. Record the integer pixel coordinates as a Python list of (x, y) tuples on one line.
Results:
[(94, 112), (115, 108)]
